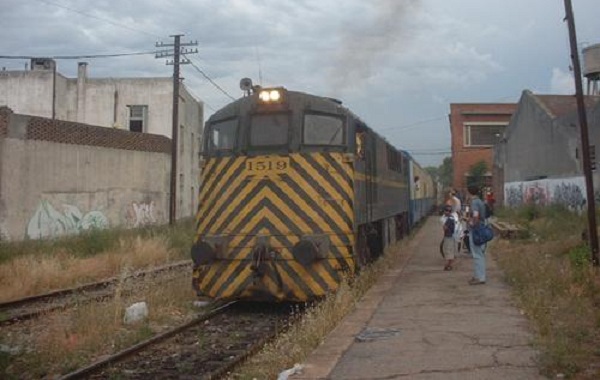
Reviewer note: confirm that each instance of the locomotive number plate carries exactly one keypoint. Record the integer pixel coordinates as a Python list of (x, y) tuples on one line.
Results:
[(267, 165)]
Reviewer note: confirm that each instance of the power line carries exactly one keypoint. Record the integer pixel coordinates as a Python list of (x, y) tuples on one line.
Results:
[(429, 154), (197, 97), (98, 18), (209, 79), (417, 123), (76, 56), (408, 126)]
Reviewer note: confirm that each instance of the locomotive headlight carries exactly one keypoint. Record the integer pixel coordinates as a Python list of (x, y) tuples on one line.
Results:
[(269, 96), (275, 95), (264, 96)]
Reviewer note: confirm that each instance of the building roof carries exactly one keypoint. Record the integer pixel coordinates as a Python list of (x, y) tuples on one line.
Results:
[(561, 105)]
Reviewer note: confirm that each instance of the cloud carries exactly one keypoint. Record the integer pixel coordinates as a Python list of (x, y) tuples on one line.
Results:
[(562, 83), (396, 63)]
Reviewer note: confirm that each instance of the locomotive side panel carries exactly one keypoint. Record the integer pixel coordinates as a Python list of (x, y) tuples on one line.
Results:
[(423, 193), (393, 188), (382, 180)]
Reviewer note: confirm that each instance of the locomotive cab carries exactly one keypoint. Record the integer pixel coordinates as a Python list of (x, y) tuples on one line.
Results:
[(275, 121)]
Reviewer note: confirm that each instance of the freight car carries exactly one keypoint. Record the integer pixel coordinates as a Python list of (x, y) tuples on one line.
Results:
[(296, 190)]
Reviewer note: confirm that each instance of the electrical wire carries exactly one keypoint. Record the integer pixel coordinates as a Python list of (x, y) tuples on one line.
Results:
[(98, 18), (208, 78), (76, 56)]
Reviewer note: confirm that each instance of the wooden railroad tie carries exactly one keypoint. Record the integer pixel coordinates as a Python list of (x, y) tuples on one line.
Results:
[(508, 230)]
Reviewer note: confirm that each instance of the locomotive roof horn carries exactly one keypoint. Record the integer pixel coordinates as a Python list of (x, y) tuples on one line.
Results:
[(246, 86)]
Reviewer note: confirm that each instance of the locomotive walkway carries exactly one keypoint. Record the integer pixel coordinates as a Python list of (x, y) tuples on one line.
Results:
[(421, 322)]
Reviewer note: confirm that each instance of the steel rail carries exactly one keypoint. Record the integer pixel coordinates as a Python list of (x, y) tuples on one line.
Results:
[(94, 367), (47, 297)]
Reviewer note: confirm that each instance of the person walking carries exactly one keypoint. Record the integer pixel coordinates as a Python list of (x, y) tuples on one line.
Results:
[(477, 251)]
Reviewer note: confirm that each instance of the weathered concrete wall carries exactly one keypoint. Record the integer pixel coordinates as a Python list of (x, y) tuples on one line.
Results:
[(540, 158), (538, 146), (50, 188), (569, 192), (188, 163), (27, 92), (104, 102)]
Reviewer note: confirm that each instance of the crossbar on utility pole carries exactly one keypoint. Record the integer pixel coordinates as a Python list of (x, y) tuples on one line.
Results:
[(176, 54), (585, 145)]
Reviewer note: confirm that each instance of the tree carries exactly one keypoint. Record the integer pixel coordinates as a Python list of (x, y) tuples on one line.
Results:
[(445, 173), (433, 172), (477, 173)]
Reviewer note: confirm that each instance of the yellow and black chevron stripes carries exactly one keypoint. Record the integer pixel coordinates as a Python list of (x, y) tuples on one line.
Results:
[(311, 195)]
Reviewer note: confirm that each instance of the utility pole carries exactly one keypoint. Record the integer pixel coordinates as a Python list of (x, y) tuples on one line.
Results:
[(585, 145), (176, 54)]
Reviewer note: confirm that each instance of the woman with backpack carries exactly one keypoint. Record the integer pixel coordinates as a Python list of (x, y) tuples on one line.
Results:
[(452, 231)]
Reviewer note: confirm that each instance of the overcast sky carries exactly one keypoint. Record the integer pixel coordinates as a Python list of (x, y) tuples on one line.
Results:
[(398, 64)]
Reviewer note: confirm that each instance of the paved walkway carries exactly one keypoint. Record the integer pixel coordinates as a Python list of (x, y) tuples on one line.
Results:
[(421, 322)]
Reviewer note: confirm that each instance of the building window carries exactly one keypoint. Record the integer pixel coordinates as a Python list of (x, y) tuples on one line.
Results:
[(137, 118), (482, 134)]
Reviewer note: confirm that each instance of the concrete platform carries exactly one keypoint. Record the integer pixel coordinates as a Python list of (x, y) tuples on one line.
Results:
[(421, 322)]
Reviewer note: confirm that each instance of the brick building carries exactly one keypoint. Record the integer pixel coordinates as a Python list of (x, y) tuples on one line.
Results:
[(474, 129)]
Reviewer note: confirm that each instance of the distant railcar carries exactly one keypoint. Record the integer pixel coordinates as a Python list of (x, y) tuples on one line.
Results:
[(296, 190)]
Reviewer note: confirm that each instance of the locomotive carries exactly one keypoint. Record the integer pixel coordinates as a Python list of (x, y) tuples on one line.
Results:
[(296, 191)]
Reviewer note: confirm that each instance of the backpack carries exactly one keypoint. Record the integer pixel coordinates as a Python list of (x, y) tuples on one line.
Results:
[(488, 210), (449, 226), (482, 233)]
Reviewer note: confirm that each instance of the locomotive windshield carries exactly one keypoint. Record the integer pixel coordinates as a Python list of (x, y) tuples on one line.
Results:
[(222, 136), (323, 130), (269, 130)]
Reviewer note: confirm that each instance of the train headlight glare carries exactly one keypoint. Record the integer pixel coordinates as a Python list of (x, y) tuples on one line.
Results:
[(264, 96), (275, 95), (268, 96)]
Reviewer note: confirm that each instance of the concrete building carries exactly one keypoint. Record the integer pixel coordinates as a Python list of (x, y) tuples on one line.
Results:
[(474, 129), (133, 104), (59, 177), (540, 157)]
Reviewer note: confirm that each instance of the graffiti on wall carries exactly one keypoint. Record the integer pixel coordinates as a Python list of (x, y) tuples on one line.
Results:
[(569, 192), (513, 195), (537, 194), (570, 195), (47, 222), (140, 214)]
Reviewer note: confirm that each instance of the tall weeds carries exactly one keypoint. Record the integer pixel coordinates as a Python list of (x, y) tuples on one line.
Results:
[(33, 267), (558, 288)]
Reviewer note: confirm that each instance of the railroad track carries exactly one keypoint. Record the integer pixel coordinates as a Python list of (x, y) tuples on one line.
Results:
[(208, 347), (35, 306)]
